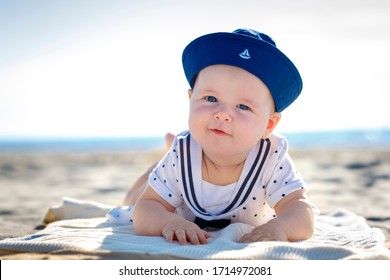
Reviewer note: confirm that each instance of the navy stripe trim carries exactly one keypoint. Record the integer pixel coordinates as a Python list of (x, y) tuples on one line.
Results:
[(257, 173), (197, 207), (247, 178)]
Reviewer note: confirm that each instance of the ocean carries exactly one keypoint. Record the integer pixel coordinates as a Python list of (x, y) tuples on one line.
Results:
[(348, 139)]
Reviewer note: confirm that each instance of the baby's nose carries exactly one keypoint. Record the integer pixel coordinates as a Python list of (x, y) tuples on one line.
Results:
[(223, 115)]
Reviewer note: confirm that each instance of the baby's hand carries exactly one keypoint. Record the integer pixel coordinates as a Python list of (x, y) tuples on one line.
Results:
[(183, 231), (266, 232)]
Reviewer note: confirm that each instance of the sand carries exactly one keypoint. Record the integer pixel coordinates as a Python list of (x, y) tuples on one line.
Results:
[(30, 183)]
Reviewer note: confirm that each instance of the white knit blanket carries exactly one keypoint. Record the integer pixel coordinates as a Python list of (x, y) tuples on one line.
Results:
[(84, 227)]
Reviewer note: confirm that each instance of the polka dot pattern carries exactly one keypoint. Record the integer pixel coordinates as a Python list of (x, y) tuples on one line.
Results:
[(277, 180)]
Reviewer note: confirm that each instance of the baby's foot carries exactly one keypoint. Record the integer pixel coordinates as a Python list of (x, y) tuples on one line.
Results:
[(169, 137)]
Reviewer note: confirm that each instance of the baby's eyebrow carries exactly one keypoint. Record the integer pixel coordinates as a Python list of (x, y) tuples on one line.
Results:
[(246, 101), (208, 91)]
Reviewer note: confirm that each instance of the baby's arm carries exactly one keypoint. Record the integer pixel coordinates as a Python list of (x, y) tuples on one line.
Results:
[(153, 216), (294, 221)]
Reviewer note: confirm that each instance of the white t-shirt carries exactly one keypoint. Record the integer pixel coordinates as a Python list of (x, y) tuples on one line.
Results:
[(268, 175)]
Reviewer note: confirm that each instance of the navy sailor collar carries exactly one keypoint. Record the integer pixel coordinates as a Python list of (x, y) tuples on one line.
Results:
[(190, 173)]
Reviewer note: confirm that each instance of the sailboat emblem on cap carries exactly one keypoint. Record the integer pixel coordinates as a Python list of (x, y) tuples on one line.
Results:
[(245, 54)]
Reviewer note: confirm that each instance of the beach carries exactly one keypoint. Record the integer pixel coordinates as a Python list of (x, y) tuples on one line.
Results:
[(32, 182)]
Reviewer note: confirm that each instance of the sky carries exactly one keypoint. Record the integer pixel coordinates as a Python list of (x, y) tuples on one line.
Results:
[(79, 68)]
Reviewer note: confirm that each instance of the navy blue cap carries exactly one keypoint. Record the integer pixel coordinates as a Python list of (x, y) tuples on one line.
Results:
[(252, 51)]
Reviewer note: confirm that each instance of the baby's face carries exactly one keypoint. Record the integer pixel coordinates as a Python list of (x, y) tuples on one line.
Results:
[(230, 110)]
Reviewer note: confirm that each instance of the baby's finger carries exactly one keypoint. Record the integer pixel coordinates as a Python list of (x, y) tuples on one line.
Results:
[(181, 236), (203, 237), (193, 237), (244, 238), (169, 236), (208, 234), (249, 237)]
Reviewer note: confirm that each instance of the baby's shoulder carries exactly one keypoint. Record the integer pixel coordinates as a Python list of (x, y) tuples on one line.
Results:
[(179, 138), (182, 144), (279, 144)]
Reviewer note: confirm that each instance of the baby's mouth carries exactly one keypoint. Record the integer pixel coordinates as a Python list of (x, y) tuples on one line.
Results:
[(219, 132)]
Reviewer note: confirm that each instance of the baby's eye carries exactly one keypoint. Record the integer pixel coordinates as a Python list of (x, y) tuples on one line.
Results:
[(243, 107), (211, 99)]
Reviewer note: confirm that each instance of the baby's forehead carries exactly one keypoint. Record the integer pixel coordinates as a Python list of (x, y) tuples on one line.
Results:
[(215, 74)]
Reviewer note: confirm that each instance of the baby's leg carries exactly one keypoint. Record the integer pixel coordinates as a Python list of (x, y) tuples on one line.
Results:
[(140, 185)]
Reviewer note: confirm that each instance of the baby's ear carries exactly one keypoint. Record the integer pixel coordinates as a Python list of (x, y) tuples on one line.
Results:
[(272, 123), (189, 93)]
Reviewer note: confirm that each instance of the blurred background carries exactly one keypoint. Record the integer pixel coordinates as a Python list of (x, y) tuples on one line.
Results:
[(112, 69), (88, 89)]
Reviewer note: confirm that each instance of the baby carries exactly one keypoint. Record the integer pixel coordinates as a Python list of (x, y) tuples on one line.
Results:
[(229, 167)]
